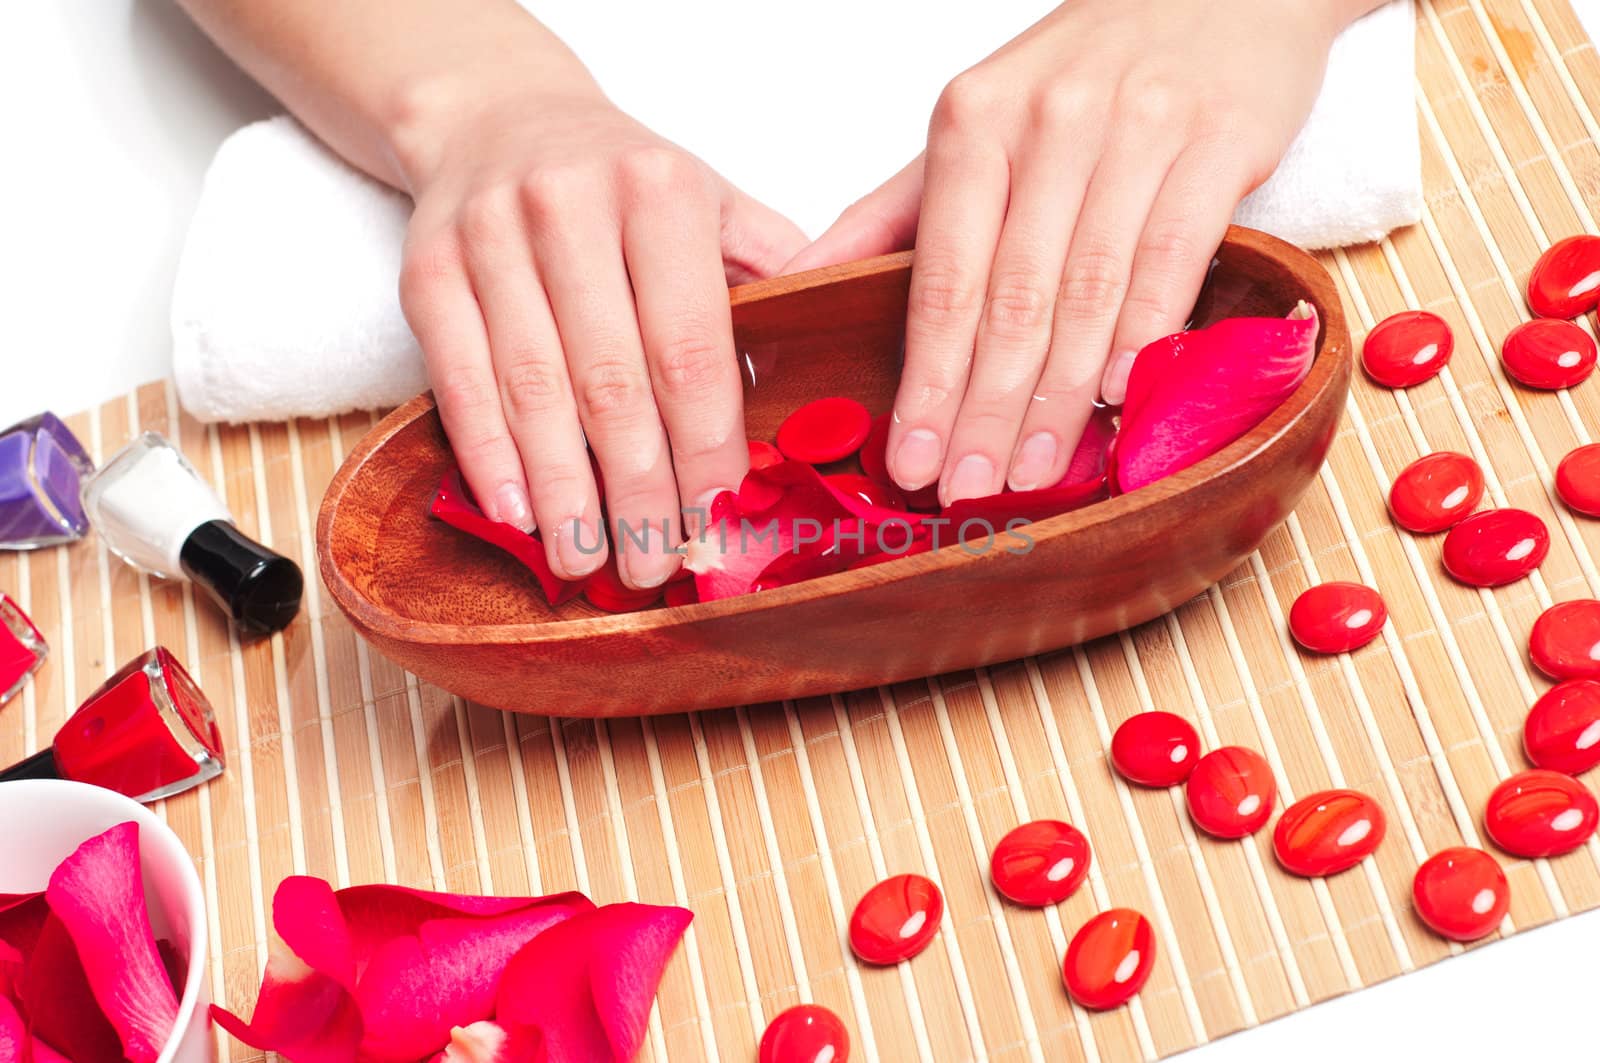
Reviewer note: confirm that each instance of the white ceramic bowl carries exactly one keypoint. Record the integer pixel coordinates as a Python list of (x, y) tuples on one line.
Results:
[(45, 820)]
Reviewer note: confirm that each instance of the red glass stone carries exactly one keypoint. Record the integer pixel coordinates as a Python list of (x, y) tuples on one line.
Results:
[(763, 455), (1230, 792), (1496, 547), (605, 590), (874, 463), (1578, 480), (1407, 348), (1040, 863), (22, 648), (1328, 832), (824, 430), (1109, 959), (870, 491), (1337, 617), (1155, 749), (1562, 732), (805, 1033), (1565, 640), (1540, 813), (1461, 893), (1565, 282), (896, 919), (1436, 492), (1548, 353)]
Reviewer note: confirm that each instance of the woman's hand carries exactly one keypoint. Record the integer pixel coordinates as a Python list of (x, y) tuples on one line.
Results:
[(566, 273), (1074, 189)]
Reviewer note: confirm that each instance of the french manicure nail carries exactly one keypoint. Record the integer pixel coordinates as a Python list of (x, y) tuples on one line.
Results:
[(1114, 385), (1034, 459), (916, 463), (973, 478), (511, 507)]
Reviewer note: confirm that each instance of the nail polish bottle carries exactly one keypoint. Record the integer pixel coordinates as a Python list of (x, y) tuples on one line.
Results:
[(41, 464), (22, 648), (148, 732), (156, 513)]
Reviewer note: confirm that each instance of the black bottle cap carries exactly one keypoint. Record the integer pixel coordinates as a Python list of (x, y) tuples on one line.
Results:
[(258, 588)]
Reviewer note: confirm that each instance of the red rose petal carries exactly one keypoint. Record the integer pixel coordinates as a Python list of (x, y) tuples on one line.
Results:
[(417, 988), (98, 892), (302, 1014), (22, 916), (763, 455), (1089, 461), (377, 913), (13, 1034), (1193, 393), (588, 983), (61, 1006), (1015, 508), (453, 504), (490, 1042), (604, 589)]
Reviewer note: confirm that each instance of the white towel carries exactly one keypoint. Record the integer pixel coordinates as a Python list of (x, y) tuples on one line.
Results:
[(285, 301)]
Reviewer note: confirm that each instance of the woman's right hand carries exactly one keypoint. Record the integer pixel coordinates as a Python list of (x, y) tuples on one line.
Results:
[(566, 273)]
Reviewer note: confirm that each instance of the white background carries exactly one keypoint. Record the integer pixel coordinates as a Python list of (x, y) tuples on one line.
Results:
[(113, 107)]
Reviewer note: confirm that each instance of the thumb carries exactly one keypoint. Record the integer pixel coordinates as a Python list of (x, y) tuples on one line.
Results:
[(756, 240), (882, 221)]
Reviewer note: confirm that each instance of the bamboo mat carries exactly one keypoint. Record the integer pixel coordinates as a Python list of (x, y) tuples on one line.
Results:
[(769, 821)]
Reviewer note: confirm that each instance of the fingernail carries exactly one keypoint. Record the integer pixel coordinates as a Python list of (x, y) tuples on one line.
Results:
[(916, 463), (1034, 460), (511, 507), (645, 570), (973, 478), (579, 547), (1114, 385)]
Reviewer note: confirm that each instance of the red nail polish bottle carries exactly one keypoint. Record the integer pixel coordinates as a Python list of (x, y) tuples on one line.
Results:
[(148, 732), (22, 648)]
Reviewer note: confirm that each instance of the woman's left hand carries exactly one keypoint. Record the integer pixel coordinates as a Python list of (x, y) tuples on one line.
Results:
[(1073, 192)]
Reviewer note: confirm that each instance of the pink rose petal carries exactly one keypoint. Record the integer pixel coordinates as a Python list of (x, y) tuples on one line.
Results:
[(489, 1042), (302, 1014), (13, 1034), (1193, 393), (453, 504), (60, 1004), (588, 983), (98, 893)]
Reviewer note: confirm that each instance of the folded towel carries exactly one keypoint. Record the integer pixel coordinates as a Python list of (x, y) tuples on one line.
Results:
[(285, 301)]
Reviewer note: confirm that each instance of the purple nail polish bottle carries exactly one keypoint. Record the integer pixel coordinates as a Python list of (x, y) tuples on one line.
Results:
[(41, 462)]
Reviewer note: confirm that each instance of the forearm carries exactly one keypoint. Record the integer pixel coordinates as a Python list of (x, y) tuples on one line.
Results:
[(379, 80)]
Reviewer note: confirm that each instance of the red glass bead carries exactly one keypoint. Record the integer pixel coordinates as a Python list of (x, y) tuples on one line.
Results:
[(1407, 348), (1565, 281), (1109, 959), (1548, 353), (869, 490), (1562, 732), (824, 430), (1578, 479), (1461, 893), (1565, 640), (874, 463), (1436, 492), (1230, 792), (1328, 832), (805, 1033), (1496, 547), (1040, 863), (22, 648), (1337, 617), (896, 919), (763, 455), (1155, 749), (1540, 813)]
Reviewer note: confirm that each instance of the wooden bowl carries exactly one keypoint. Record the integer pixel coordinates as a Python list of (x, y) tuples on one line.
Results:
[(464, 615)]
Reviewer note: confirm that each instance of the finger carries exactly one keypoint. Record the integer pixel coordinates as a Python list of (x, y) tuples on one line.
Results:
[(1186, 225), (1047, 189), (1093, 284), (536, 397), (964, 202), (882, 221), (576, 235), (756, 240), (443, 313), (670, 243)]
